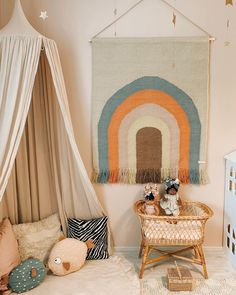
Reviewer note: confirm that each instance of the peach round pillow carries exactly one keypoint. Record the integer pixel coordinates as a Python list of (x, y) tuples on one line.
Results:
[(9, 253), (67, 256)]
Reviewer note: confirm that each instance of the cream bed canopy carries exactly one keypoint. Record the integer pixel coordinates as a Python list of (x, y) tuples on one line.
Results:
[(41, 171)]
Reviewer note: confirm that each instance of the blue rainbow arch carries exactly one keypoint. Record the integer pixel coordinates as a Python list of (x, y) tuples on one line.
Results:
[(156, 83)]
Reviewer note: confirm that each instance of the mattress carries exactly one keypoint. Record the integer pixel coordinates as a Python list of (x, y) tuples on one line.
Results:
[(113, 276)]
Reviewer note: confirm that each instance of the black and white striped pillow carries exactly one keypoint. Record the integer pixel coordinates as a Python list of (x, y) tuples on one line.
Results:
[(93, 229)]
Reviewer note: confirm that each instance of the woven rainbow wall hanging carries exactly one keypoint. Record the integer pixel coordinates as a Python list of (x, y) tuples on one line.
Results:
[(150, 106)]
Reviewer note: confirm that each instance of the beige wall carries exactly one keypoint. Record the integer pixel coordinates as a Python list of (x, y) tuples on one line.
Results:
[(72, 23)]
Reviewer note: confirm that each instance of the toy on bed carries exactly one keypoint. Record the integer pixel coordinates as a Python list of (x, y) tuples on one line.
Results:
[(27, 275), (68, 255), (170, 201)]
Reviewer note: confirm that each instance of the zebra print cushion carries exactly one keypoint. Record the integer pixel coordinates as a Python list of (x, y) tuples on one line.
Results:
[(93, 229)]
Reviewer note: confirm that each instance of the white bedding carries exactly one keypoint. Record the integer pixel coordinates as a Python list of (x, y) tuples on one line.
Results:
[(113, 276)]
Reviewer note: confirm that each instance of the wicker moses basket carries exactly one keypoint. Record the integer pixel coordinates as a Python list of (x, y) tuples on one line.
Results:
[(185, 230)]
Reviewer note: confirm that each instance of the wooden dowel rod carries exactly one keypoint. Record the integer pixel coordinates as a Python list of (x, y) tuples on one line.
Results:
[(187, 259)]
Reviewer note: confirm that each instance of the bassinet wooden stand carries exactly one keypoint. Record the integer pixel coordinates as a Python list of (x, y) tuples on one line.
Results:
[(185, 231)]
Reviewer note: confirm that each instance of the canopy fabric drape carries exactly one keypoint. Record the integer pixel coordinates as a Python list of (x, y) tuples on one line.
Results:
[(79, 180), (48, 162), (18, 65), (30, 189)]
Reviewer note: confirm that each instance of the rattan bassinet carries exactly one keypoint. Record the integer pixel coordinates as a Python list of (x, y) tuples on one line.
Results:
[(186, 230)]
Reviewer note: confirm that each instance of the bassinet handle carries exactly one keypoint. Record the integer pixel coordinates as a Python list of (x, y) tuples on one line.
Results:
[(178, 270)]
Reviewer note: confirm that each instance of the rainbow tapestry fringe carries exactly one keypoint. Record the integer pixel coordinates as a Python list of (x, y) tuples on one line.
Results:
[(130, 176), (150, 106)]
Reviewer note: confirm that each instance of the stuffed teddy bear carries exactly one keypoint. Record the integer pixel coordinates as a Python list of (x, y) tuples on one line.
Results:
[(68, 255)]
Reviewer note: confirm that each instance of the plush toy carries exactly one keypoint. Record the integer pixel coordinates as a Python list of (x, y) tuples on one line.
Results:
[(27, 275), (68, 255)]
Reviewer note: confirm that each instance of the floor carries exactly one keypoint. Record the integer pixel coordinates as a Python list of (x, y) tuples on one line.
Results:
[(218, 266)]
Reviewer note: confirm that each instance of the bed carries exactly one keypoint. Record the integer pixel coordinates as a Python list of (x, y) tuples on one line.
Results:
[(114, 276)]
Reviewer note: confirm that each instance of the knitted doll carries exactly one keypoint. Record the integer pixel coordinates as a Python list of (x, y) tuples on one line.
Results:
[(170, 202)]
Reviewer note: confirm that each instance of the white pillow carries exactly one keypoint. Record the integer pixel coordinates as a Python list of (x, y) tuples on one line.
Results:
[(36, 239)]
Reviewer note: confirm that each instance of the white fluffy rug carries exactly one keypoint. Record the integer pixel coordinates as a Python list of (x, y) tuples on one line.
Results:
[(117, 276), (202, 287), (113, 276)]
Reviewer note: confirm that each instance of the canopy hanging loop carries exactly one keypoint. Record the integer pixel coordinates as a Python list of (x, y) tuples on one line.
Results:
[(18, 24)]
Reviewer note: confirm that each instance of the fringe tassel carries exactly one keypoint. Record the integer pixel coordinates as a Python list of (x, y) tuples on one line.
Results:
[(203, 177), (148, 175), (133, 176)]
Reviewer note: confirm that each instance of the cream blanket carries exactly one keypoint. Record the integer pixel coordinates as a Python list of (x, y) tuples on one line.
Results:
[(113, 276)]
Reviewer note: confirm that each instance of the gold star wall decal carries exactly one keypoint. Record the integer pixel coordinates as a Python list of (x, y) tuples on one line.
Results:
[(174, 19), (228, 2)]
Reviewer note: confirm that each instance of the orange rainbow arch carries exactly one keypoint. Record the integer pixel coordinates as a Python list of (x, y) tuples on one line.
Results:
[(134, 100)]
